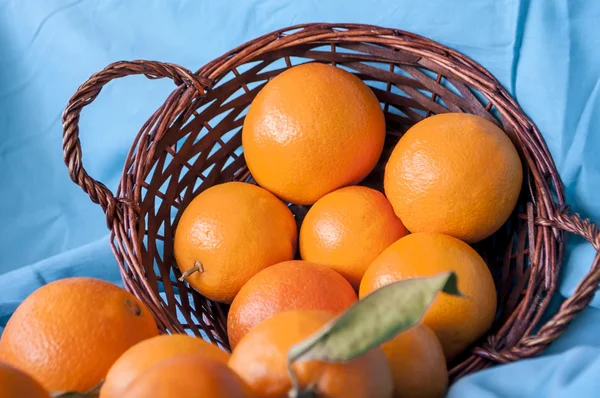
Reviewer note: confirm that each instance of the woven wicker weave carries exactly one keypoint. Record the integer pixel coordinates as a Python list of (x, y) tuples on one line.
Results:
[(193, 141)]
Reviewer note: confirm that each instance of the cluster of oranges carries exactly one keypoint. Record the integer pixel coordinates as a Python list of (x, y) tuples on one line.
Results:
[(310, 136)]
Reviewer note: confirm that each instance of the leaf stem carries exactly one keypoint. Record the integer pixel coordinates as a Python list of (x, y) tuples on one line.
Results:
[(295, 390), (94, 392), (196, 268)]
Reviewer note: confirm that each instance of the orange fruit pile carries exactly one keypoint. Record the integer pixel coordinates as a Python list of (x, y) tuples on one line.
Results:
[(230, 232), (15, 383), (144, 355), (287, 286), (457, 321), (310, 130), (455, 174), (190, 376), (68, 333), (261, 357), (311, 135), (426, 377), (347, 229)]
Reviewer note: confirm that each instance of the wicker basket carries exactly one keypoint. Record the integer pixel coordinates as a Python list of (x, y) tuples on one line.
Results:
[(193, 141)]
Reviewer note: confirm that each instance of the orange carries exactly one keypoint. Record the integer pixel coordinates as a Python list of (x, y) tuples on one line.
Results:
[(142, 356), (346, 229), (69, 332), (312, 129), (17, 384), (457, 321), (418, 364), (189, 376), (291, 285), (232, 231), (456, 174), (260, 359)]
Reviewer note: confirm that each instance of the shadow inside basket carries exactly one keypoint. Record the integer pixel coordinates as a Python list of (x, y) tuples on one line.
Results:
[(205, 149)]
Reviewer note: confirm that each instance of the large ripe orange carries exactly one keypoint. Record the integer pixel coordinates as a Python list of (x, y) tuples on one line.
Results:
[(17, 384), (457, 321), (233, 231), (142, 356), (260, 359), (68, 333), (456, 174), (310, 130), (347, 228), (290, 285), (418, 364), (187, 376)]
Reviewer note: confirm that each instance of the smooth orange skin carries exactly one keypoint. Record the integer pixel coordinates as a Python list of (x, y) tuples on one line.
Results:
[(290, 285), (456, 174), (234, 230), (260, 360), (17, 384), (457, 321), (312, 129), (347, 228), (189, 376), (418, 364), (68, 333), (144, 355)]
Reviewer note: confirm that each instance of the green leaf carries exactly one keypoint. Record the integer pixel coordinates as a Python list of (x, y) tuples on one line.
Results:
[(93, 393), (374, 320)]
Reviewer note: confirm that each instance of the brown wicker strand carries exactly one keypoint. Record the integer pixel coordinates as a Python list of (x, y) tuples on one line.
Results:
[(571, 307), (86, 94)]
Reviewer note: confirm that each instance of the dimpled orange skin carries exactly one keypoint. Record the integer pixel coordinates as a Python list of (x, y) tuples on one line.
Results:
[(456, 174), (290, 285), (234, 230), (312, 129), (418, 364), (145, 354), (260, 359), (17, 384), (189, 376), (457, 321), (68, 333), (347, 228)]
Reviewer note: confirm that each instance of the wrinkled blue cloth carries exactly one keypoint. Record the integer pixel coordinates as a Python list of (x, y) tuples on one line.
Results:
[(545, 52)]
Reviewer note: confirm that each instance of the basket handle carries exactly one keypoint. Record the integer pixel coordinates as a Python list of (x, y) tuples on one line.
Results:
[(86, 94), (572, 306)]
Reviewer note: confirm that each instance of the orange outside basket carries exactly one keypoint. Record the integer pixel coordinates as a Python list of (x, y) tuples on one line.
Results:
[(193, 141)]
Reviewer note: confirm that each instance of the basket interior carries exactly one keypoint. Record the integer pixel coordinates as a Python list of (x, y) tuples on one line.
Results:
[(203, 148)]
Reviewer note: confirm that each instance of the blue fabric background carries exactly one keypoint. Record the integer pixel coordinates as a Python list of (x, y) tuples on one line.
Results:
[(544, 52)]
